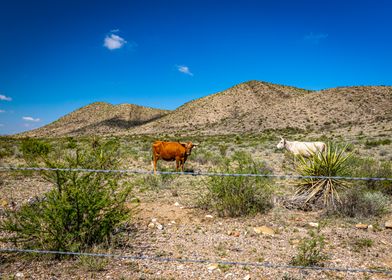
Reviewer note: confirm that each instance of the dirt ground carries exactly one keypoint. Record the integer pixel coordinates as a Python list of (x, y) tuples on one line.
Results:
[(168, 224)]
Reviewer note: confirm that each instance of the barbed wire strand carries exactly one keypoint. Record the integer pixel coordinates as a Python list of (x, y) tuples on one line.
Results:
[(277, 176), (199, 261)]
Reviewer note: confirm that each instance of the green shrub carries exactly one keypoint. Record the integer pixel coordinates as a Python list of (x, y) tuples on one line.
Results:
[(71, 143), (82, 210), (375, 143), (237, 196), (359, 244), (310, 251), (6, 147), (287, 276), (93, 263), (157, 182), (203, 157), (332, 162), (33, 148), (367, 167), (223, 149), (363, 203)]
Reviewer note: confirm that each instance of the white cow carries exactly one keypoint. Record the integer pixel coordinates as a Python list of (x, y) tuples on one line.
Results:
[(304, 149)]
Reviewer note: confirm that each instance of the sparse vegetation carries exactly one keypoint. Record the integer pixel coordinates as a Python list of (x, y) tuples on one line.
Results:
[(170, 200), (367, 167), (234, 111), (32, 148), (237, 196), (223, 149), (310, 251), (92, 263), (361, 202), (379, 142), (360, 244)]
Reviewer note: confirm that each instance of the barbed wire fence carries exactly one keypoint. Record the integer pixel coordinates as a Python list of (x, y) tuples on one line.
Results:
[(209, 174), (200, 261), (187, 260)]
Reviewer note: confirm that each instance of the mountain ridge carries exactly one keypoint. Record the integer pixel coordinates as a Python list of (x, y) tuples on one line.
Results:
[(249, 107)]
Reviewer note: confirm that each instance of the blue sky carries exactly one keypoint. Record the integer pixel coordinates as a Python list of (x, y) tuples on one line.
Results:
[(57, 56)]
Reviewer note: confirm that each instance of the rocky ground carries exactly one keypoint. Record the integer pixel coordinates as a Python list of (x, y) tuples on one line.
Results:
[(168, 224)]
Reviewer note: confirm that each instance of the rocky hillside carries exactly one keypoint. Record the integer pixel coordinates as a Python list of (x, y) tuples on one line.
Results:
[(99, 118), (248, 107), (258, 106)]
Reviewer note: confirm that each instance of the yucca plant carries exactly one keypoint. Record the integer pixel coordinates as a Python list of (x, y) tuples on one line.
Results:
[(332, 162)]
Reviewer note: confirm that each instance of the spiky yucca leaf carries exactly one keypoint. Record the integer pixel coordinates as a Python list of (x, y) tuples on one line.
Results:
[(332, 162)]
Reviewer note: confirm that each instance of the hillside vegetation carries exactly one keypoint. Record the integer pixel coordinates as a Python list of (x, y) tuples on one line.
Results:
[(245, 219), (250, 107), (99, 118)]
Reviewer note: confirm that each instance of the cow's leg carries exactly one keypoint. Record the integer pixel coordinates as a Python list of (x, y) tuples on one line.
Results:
[(177, 164), (182, 165), (155, 161)]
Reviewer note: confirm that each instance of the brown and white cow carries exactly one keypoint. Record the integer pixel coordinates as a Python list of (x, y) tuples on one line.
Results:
[(171, 151)]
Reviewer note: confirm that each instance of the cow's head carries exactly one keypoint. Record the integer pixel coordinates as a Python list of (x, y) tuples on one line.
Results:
[(188, 147), (281, 144)]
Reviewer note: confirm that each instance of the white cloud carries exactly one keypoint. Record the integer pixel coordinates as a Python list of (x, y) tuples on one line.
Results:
[(315, 38), (184, 69), (31, 119), (2, 111), (5, 98), (114, 30), (113, 42)]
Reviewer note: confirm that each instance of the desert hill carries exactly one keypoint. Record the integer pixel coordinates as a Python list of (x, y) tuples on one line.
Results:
[(248, 107), (258, 106), (98, 118)]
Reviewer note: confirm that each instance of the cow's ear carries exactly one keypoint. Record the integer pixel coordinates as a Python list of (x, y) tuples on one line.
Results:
[(183, 144)]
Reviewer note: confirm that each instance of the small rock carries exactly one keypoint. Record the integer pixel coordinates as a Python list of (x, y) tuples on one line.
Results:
[(181, 267), (234, 233), (228, 275), (361, 226), (247, 277), (209, 216), (370, 228), (264, 230), (159, 226), (151, 225), (153, 220), (135, 200), (388, 224), (212, 267), (3, 203), (384, 242), (19, 275), (177, 204), (294, 242), (313, 225)]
